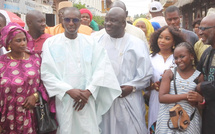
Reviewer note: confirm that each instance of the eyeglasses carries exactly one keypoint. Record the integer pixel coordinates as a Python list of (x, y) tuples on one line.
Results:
[(74, 20), (205, 28)]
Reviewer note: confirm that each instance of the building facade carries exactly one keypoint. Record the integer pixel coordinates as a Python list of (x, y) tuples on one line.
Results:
[(97, 7), (21, 7), (190, 9)]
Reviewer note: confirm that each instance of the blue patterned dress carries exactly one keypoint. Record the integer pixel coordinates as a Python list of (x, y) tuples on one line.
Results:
[(183, 86)]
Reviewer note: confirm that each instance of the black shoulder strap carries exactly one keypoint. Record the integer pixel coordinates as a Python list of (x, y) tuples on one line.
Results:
[(174, 77), (197, 79)]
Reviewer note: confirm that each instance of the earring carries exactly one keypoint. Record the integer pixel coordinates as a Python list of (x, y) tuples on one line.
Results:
[(173, 47), (193, 62), (9, 48)]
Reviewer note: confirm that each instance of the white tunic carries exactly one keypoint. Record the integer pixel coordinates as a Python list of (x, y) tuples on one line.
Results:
[(78, 64), (130, 59)]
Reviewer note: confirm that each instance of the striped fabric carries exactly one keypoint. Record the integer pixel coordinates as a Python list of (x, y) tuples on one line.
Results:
[(183, 86)]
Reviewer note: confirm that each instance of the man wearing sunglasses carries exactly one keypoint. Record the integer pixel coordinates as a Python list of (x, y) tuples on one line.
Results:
[(207, 67), (59, 28), (77, 71)]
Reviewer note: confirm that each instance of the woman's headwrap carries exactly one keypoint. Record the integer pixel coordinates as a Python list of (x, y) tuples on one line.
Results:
[(156, 25), (84, 10), (10, 31), (148, 24)]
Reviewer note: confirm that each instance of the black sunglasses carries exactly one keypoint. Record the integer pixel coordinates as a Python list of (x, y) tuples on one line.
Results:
[(74, 20), (205, 28)]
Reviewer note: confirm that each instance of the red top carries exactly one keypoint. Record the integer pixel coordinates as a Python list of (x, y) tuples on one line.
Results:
[(38, 43)]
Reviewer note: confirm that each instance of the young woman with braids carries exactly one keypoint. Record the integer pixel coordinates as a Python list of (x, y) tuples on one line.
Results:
[(163, 42), (186, 80)]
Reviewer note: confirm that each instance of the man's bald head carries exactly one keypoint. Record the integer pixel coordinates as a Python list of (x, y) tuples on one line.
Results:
[(117, 11), (119, 4), (32, 14), (210, 19), (73, 10), (207, 30), (115, 22), (36, 22)]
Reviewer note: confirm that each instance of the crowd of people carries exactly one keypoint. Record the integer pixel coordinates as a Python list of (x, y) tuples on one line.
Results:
[(121, 79)]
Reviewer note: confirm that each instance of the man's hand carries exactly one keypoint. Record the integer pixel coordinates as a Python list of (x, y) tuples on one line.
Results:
[(198, 88), (126, 90), (156, 85), (193, 96), (80, 97), (29, 102)]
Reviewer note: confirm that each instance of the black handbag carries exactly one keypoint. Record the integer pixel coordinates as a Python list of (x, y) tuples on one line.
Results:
[(45, 121)]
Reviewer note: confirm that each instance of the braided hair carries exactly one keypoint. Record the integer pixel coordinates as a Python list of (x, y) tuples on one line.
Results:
[(190, 49)]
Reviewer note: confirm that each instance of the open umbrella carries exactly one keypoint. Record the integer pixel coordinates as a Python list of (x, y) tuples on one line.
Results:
[(11, 17)]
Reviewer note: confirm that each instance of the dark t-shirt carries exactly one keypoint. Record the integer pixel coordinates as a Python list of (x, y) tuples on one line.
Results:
[(190, 36), (207, 67)]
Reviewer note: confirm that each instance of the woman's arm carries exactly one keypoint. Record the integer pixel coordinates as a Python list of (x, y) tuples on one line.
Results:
[(164, 96)]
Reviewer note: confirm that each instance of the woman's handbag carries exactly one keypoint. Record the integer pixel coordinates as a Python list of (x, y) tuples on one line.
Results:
[(178, 116), (45, 122)]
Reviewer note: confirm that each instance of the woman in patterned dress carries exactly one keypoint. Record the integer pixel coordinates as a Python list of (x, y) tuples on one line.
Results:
[(186, 79), (20, 82)]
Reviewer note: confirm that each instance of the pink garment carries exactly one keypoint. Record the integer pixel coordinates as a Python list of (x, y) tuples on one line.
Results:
[(19, 79), (38, 43)]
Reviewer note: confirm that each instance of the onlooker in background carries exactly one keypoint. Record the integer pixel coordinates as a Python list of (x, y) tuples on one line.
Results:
[(172, 16), (129, 28), (77, 71), (195, 25), (87, 19), (187, 78), (156, 25), (86, 16), (2, 25), (163, 42), (199, 47), (36, 23), (156, 9), (59, 28), (145, 25), (130, 59), (207, 67), (20, 82), (94, 25)]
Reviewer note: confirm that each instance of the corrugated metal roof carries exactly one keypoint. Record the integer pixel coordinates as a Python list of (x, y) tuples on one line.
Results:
[(178, 3)]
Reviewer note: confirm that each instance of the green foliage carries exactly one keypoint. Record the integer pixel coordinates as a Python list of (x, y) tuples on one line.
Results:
[(79, 5), (99, 20), (139, 16)]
